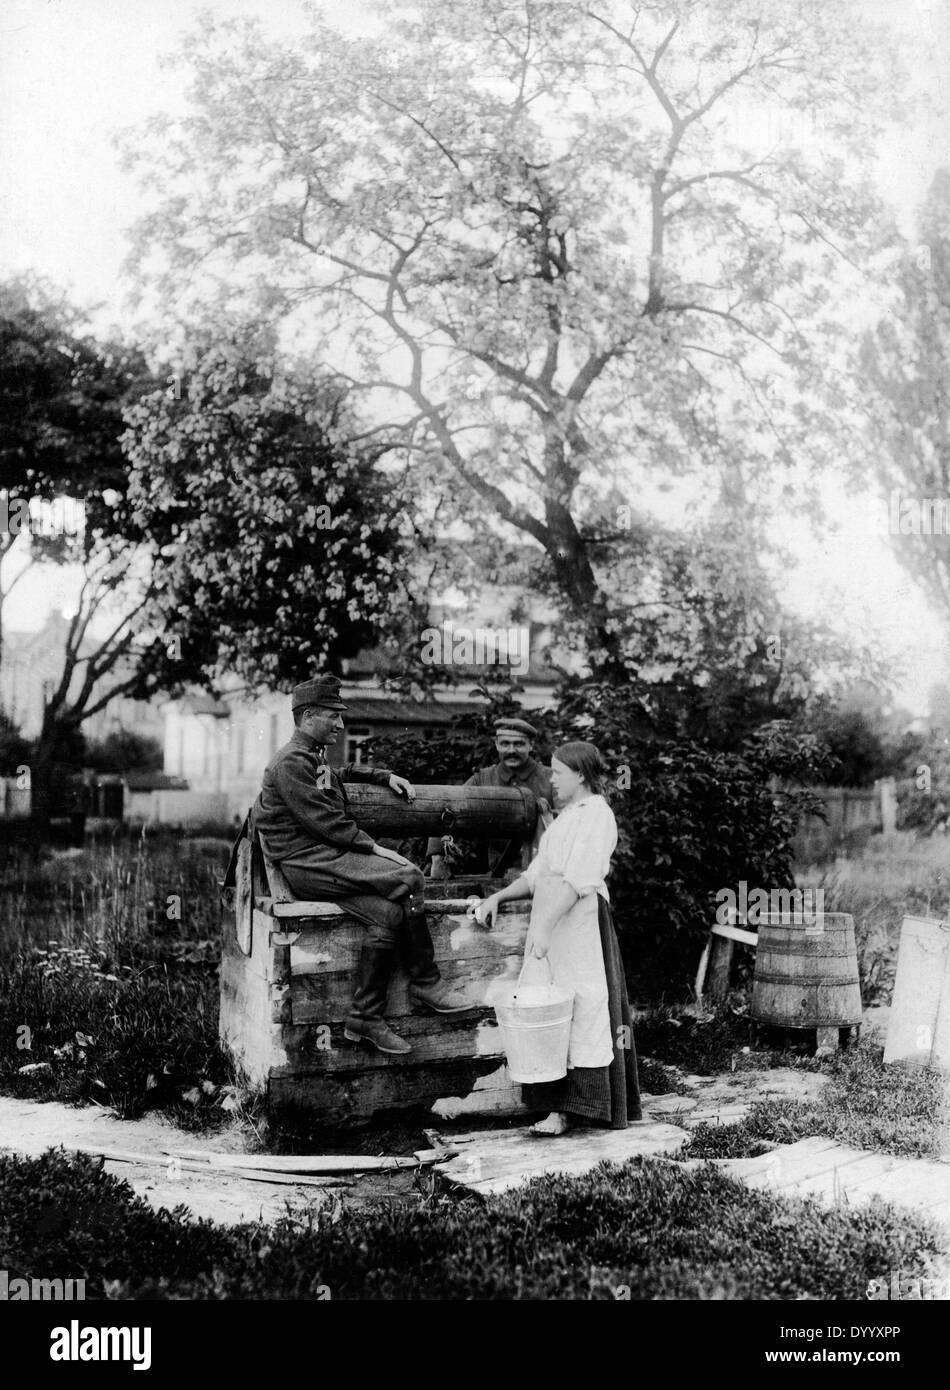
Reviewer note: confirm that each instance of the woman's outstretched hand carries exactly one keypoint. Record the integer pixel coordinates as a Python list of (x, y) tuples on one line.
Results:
[(486, 911)]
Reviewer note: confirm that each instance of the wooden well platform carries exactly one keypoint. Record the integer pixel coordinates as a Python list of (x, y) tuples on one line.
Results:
[(288, 972)]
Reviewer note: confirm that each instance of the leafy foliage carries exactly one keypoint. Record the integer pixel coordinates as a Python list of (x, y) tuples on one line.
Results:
[(124, 751), (643, 1230), (277, 548), (62, 394)]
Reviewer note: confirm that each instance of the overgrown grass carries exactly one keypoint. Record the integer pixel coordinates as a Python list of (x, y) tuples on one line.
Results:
[(891, 877), (726, 1038), (109, 977), (867, 1105), (644, 1230)]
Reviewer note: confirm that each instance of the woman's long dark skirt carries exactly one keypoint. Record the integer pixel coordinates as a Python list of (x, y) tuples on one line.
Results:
[(609, 1095)]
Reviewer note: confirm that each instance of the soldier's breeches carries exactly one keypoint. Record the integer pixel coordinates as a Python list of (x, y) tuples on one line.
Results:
[(376, 891)]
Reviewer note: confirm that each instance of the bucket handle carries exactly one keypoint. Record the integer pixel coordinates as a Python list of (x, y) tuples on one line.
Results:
[(547, 961)]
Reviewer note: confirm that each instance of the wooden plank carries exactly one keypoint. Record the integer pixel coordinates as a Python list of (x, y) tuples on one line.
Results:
[(243, 907), (245, 1025), (454, 937), (790, 1173), (354, 1095), (844, 1183), (720, 966), (918, 1031), (298, 1163), (433, 1038), (192, 1165), (314, 911), (723, 929), (499, 1160), (910, 1182)]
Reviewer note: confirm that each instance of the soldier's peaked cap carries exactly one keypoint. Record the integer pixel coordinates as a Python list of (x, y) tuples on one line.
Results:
[(515, 726), (322, 690)]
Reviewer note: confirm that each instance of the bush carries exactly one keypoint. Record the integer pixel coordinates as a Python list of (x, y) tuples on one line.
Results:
[(645, 1229), (125, 751)]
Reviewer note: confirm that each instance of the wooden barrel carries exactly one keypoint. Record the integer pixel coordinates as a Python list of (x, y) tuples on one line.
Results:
[(474, 813), (807, 979)]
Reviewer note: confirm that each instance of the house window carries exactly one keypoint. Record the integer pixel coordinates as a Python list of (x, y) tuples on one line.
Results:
[(239, 733), (354, 737), (274, 733)]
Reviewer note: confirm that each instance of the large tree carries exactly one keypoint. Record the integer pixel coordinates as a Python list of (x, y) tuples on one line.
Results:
[(62, 397), (906, 364), (544, 245)]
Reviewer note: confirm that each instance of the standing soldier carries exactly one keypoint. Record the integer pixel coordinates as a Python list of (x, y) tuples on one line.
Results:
[(303, 818), (516, 767)]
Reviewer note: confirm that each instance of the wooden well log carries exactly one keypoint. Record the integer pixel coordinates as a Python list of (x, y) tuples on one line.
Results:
[(486, 813)]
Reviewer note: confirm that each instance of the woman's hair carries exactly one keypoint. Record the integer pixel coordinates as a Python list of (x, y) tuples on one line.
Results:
[(587, 761)]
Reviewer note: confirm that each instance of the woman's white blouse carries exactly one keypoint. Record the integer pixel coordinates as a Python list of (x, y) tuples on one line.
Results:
[(578, 847), (577, 850)]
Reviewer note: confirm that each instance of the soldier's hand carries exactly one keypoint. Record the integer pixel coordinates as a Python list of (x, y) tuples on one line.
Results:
[(403, 788)]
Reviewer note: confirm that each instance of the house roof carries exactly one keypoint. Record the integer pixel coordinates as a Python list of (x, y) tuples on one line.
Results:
[(377, 710)]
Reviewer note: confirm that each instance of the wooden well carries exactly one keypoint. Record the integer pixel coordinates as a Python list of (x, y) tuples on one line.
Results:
[(288, 973)]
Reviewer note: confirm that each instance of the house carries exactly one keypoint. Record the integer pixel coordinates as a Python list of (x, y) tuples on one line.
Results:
[(31, 666)]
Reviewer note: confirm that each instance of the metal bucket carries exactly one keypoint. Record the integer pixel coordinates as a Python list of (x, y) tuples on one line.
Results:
[(535, 1026)]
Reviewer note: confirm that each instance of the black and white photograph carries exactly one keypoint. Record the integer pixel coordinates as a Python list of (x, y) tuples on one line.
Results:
[(474, 670)]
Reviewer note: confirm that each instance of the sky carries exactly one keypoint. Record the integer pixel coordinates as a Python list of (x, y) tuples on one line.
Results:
[(72, 72)]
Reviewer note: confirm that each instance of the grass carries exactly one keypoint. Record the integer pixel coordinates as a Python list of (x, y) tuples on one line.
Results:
[(889, 878), (725, 1038), (642, 1230), (866, 1105), (109, 977)]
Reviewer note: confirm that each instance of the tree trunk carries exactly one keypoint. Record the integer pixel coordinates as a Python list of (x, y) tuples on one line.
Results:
[(574, 574)]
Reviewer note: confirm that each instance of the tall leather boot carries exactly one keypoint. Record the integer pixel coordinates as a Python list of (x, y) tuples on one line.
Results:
[(365, 1021), (426, 985)]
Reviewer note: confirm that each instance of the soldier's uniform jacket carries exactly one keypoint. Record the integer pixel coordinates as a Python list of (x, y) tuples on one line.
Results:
[(533, 777), (303, 808)]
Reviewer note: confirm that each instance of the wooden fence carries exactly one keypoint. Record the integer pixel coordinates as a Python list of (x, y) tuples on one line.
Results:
[(852, 812)]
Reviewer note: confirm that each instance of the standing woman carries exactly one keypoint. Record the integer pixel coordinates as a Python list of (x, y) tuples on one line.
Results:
[(572, 928)]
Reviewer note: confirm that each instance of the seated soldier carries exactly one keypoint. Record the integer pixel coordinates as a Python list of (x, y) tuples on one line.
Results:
[(304, 821), (516, 767)]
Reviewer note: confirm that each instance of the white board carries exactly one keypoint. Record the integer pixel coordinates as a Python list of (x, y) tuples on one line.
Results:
[(919, 1028)]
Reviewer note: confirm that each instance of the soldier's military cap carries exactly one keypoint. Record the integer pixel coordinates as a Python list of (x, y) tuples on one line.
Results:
[(322, 690), (515, 726)]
